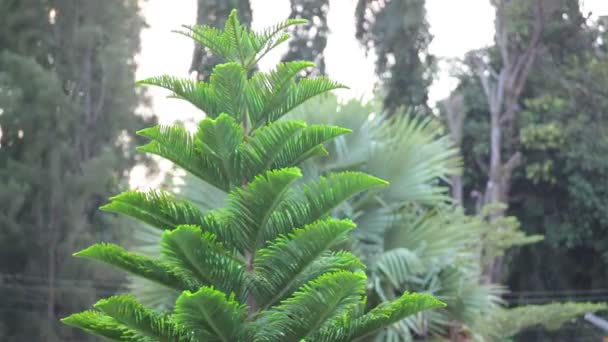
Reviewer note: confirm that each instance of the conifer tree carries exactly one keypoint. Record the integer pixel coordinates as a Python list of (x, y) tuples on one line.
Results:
[(265, 267), (67, 131)]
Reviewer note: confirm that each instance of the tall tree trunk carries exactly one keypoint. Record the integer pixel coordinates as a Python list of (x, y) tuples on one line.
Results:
[(455, 112), (50, 307), (308, 41), (503, 90), (53, 239), (493, 186)]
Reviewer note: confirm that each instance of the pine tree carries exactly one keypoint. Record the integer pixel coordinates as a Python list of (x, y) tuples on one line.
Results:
[(264, 267)]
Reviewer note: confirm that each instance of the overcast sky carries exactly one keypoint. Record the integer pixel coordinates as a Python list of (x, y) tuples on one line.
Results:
[(457, 26)]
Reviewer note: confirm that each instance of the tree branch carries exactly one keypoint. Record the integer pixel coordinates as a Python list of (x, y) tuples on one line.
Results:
[(510, 165), (502, 39), (455, 112), (525, 62), (482, 166)]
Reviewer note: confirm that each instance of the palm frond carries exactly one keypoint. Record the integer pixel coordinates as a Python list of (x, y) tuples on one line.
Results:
[(399, 266), (505, 323), (412, 155)]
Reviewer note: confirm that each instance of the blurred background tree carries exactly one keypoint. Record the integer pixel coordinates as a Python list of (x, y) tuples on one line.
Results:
[(398, 33), (214, 13), (308, 41), (67, 103), (559, 130)]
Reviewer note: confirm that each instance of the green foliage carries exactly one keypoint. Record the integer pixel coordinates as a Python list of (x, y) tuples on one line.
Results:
[(67, 122), (414, 244), (397, 31), (559, 190), (308, 40), (502, 233), (267, 265), (506, 323), (413, 240), (214, 13), (408, 239)]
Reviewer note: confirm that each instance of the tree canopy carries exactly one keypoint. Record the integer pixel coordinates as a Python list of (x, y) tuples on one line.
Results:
[(67, 105)]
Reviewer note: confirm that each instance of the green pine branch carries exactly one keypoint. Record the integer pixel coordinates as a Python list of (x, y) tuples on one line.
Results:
[(266, 266)]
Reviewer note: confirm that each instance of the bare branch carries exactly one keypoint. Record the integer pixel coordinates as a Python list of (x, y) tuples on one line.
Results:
[(480, 71), (455, 112), (510, 165), (500, 89), (525, 62), (501, 37), (481, 164), (102, 97)]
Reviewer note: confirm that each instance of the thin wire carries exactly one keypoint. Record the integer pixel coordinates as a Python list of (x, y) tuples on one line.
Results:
[(64, 288), (559, 291), (5, 276)]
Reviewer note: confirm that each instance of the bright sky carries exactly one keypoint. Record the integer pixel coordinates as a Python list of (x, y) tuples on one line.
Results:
[(457, 26)]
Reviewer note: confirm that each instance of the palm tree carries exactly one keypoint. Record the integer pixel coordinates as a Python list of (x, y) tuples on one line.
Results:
[(412, 238), (408, 235)]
